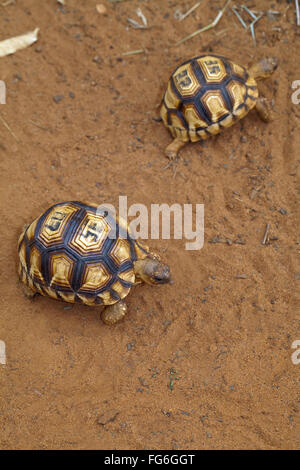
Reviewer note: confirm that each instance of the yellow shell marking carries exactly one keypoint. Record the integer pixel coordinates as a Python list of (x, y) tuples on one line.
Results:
[(22, 255), (127, 276), (90, 235), (61, 268), (55, 224), (214, 102), (212, 68), (171, 99), (35, 264), (67, 296), (185, 81), (194, 120), (237, 92), (121, 251), (95, 277)]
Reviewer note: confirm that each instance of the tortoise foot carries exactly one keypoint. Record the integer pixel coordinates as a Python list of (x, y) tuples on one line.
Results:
[(173, 149), (263, 109), (114, 313)]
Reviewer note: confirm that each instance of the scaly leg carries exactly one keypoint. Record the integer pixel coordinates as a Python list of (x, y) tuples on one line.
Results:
[(263, 109), (173, 148), (114, 313)]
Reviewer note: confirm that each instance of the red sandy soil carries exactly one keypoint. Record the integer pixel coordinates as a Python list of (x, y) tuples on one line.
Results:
[(205, 362)]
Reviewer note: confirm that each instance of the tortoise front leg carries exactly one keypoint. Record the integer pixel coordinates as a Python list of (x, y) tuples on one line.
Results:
[(173, 148), (114, 313), (263, 109)]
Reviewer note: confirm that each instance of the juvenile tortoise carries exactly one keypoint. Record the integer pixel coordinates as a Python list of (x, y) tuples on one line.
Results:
[(74, 253), (210, 93)]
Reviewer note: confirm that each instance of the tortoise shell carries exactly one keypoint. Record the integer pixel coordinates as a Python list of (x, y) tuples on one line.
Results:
[(72, 253), (205, 95)]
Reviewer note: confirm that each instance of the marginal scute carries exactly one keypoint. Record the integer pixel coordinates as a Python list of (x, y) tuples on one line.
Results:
[(31, 230), (237, 92), (35, 264), (171, 99), (214, 129), (178, 128), (22, 254), (127, 276), (106, 298), (50, 292), (67, 296), (192, 116), (237, 70), (120, 290)]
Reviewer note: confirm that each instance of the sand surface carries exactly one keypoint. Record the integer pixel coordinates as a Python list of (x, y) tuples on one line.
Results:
[(206, 362)]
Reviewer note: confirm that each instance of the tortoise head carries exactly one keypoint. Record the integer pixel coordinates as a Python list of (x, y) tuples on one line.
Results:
[(152, 271), (264, 68)]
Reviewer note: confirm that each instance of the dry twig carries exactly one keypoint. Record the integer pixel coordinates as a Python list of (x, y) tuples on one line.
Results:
[(181, 16), (137, 51), (297, 12), (266, 235), (9, 129), (205, 28)]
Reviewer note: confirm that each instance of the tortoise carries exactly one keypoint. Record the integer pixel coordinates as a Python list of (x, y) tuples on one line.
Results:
[(209, 93), (76, 253)]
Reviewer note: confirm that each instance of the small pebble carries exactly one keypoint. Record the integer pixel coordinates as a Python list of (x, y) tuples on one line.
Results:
[(101, 9), (283, 211), (97, 59), (239, 242), (107, 417), (58, 98)]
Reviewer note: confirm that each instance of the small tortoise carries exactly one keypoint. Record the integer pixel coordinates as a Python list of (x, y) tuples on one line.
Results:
[(74, 253), (209, 93)]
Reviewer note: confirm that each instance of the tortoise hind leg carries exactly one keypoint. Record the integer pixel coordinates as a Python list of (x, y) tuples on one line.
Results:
[(29, 292), (263, 109), (114, 313), (173, 148)]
